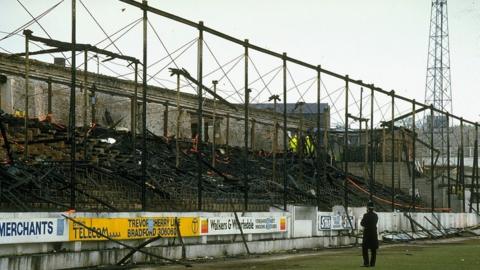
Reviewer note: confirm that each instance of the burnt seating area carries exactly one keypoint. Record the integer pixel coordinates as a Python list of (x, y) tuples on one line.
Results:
[(109, 176)]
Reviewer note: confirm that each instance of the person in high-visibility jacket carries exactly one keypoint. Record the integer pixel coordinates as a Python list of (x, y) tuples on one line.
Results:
[(309, 146), (293, 143)]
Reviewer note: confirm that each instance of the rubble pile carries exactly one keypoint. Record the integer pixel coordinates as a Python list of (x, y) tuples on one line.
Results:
[(109, 177)]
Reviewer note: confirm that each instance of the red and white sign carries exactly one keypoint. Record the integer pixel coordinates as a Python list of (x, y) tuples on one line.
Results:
[(250, 225)]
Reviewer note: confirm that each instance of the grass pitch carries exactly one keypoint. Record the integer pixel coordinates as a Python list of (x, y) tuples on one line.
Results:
[(464, 254)]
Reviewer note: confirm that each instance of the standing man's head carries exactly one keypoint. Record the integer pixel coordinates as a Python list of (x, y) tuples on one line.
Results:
[(370, 206)]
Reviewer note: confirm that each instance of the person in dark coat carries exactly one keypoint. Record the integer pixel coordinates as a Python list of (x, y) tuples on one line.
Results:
[(370, 240)]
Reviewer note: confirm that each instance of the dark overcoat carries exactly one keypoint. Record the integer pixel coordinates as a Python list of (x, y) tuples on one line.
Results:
[(369, 223)]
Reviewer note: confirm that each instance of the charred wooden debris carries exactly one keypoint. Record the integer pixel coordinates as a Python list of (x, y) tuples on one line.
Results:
[(108, 173)]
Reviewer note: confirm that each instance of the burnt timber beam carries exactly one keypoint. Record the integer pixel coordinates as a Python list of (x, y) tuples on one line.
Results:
[(46, 51), (67, 46), (387, 123), (184, 73)]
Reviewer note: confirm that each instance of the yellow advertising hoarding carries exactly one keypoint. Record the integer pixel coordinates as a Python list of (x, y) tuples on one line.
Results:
[(132, 228)]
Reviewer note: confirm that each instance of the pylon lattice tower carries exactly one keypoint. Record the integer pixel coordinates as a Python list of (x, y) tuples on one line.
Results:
[(438, 81)]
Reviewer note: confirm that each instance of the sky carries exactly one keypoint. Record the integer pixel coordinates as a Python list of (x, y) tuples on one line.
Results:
[(384, 42)]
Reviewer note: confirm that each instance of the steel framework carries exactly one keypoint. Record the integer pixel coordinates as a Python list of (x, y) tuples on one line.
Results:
[(248, 185)]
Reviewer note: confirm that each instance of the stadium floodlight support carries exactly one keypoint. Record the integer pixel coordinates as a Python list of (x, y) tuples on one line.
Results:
[(438, 92), (438, 81)]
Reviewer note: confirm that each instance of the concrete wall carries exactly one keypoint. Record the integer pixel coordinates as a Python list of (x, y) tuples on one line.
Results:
[(383, 173), (302, 233)]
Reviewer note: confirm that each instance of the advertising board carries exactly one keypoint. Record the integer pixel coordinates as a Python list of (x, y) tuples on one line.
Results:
[(250, 225), (335, 222), (33, 230), (133, 228)]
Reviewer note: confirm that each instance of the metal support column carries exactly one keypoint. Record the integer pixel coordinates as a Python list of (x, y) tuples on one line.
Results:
[(275, 98), (432, 166), (144, 108), (27, 33), (317, 136), (360, 133), (200, 115), (392, 150), (177, 125), (285, 135), (85, 104), (132, 121), (227, 135), (449, 185), (133, 128), (361, 114), (458, 173), (245, 160), (252, 135), (476, 165), (49, 97), (72, 115), (413, 171), (93, 101), (214, 139), (474, 171), (371, 155), (345, 148), (165, 118), (325, 158), (462, 166), (300, 144)]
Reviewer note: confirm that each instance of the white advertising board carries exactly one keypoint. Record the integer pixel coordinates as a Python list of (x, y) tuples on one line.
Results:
[(33, 230), (250, 225), (334, 222)]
